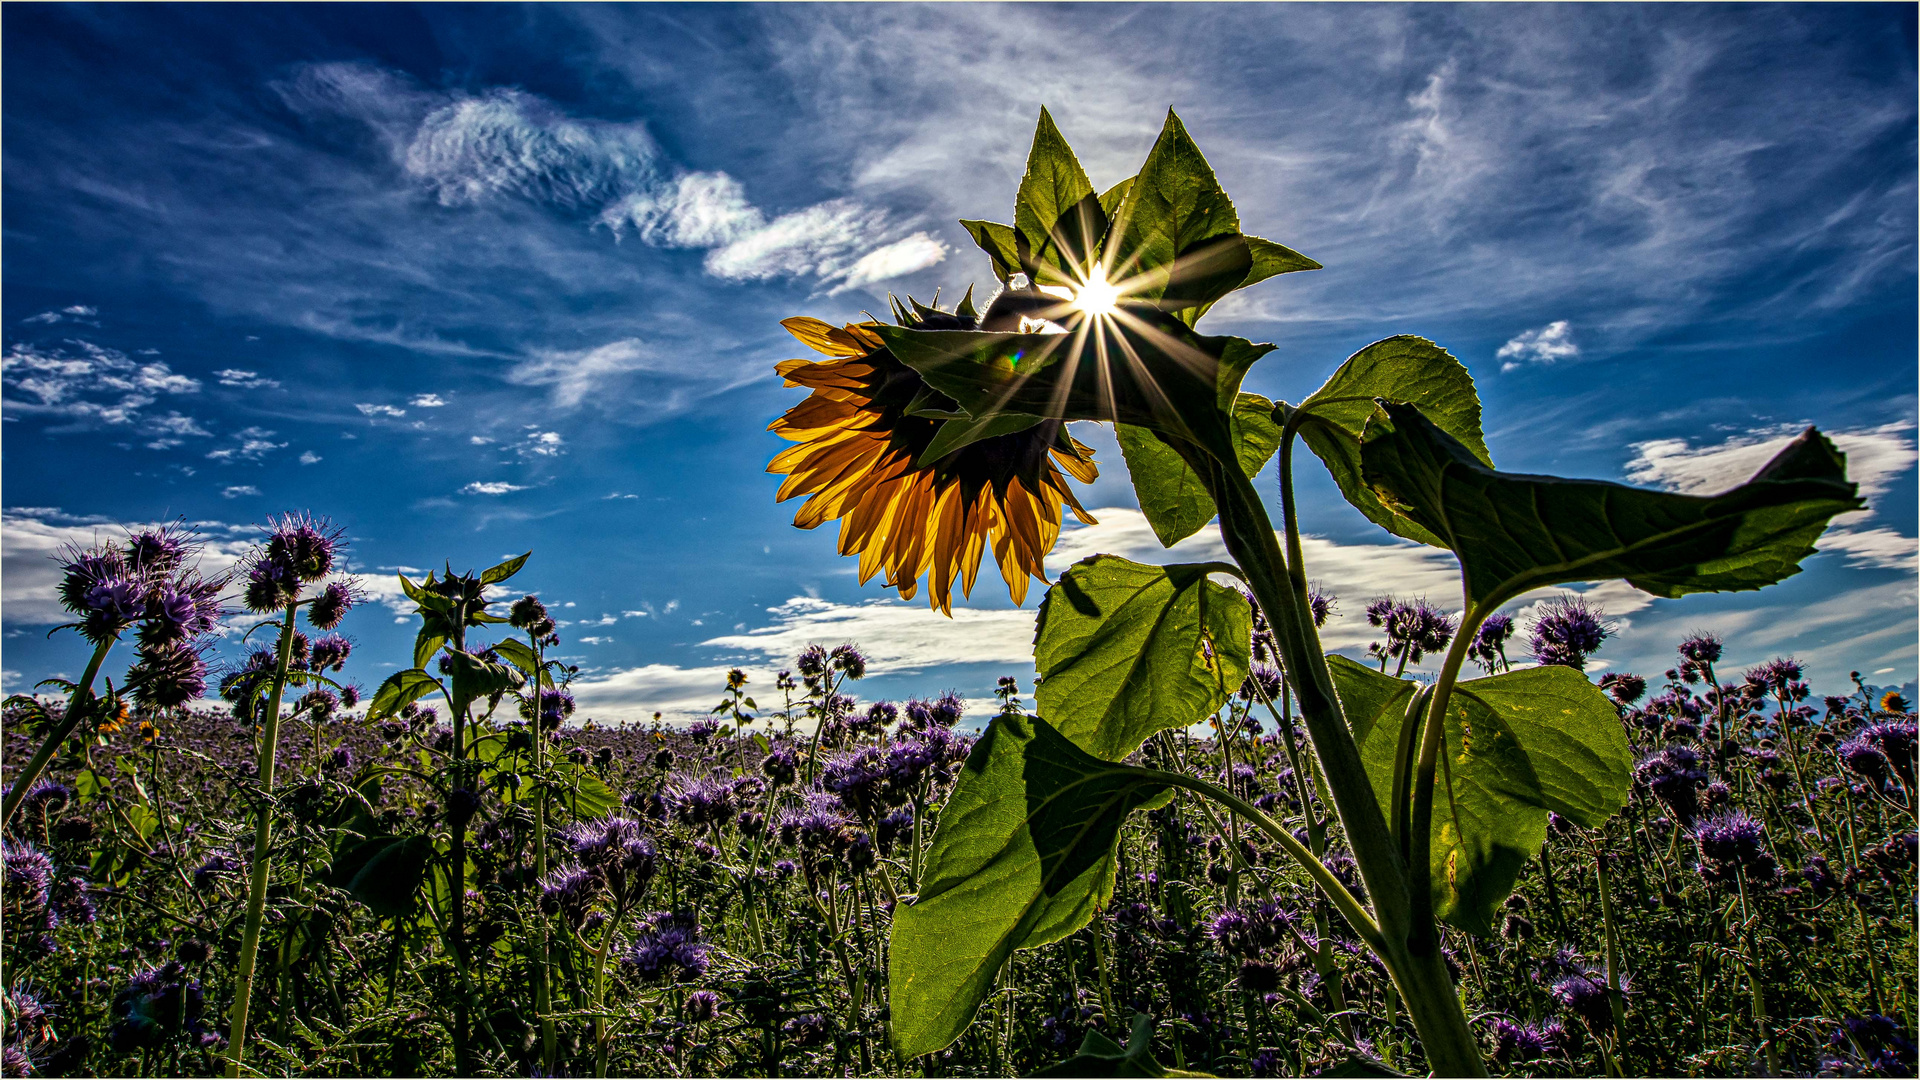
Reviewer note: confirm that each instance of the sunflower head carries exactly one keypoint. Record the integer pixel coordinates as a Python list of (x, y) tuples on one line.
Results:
[(862, 457)]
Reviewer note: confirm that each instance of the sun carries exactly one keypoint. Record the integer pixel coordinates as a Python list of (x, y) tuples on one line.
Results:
[(1097, 297)]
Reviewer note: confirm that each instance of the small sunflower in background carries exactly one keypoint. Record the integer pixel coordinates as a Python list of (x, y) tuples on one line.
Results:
[(861, 435)]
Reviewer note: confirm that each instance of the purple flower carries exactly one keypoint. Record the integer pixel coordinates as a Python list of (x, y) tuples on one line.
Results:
[(329, 653), (218, 864), (302, 546), (1701, 649), (859, 779), (1413, 629), (779, 766), (1730, 838), (668, 946), (1625, 688), (700, 731), (1774, 675), (616, 848), (702, 1006), (29, 878), (332, 605), (320, 702), (1320, 605), (847, 658), (1864, 758), (1586, 996), (46, 796), (159, 551), (704, 802), (569, 892), (808, 1029), (1516, 1044), (876, 719), (180, 610), (1567, 631), (1489, 647), (341, 760), (1250, 933), (1896, 739)]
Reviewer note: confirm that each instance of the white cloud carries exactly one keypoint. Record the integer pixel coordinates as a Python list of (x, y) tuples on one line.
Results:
[(253, 444), (238, 490), (1875, 457), (308, 457), (245, 380), (491, 487), (1551, 342), (78, 312), (699, 210), (541, 444), (898, 259), (367, 409), (427, 401), (574, 374), (89, 385), (1882, 549), (819, 240), (32, 536), (510, 142), (894, 635), (595, 640)]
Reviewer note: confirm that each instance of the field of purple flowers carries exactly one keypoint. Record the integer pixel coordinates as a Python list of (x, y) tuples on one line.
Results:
[(460, 875)]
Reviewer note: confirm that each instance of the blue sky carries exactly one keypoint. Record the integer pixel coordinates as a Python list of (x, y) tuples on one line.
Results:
[(474, 280)]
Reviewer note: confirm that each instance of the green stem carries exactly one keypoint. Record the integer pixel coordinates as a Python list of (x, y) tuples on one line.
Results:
[(1425, 985), (1419, 834), (543, 986), (262, 859), (77, 707)]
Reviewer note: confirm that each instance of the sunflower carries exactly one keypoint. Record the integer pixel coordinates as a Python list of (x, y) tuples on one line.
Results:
[(860, 434)]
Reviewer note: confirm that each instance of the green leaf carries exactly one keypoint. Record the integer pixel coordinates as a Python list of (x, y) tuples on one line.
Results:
[(1514, 532), (473, 678), (956, 434), (402, 688), (997, 241), (432, 635), (1111, 198), (584, 795), (1057, 213), (494, 575), (384, 872), (1179, 235), (1101, 1056), (1405, 368), (1125, 650), (1173, 497), (1158, 374), (1023, 856), (1518, 745), (1267, 259), (519, 654)]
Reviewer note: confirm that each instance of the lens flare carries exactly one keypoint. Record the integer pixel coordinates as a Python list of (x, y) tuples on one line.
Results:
[(1097, 297)]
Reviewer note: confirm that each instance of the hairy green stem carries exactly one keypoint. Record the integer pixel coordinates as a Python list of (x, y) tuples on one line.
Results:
[(262, 860), (1426, 987), (78, 706)]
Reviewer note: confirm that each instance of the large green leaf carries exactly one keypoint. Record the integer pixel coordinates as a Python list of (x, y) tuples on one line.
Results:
[(1179, 236), (1518, 745), (1023, 856), (494, 575), (1405, 368), (1514, 532), (402, 688), (1057, 215), (1267, 259), (1172, 496), (384, 872), (473, 678), (1148, 369), (1101, 1056), (1125, 649), (997, 241)]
